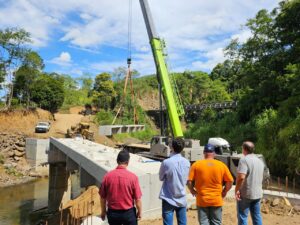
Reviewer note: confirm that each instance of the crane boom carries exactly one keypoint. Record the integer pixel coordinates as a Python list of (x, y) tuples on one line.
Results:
[(173, 105)]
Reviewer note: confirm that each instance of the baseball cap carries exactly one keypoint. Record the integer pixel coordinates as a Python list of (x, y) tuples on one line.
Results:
[(209, 148)]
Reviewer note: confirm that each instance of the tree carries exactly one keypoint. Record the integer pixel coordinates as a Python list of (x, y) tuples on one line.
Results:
[(48, 92), (86, 82), (12, 52), (103, 91), (120, 72), (266, 71), (256, 69), (27, 74)]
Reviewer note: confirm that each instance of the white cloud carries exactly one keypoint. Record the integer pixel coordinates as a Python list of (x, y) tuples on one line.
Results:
[(143, 63), (64, 59), (25, 14), (193, 27), (212, 58)]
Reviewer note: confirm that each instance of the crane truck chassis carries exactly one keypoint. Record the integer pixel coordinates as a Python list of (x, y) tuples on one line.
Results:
[(193, 151)]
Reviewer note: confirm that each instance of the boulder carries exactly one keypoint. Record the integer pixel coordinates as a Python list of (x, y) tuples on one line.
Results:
[(286, 201), (17, 158), (34, 174), (275, 202), (20, 149), (7, 165), (20, 143), (18, 153), (265, 209), (7, 149), (11, 153)]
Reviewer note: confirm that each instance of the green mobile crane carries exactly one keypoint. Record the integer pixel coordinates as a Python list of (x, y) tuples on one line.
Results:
[(174, 108), (159, 147), (167, 84)]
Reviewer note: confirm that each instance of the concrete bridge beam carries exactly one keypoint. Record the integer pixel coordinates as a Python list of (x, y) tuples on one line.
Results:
[(86, 179)]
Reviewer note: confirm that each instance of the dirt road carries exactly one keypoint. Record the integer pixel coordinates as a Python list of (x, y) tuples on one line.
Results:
[(229, 217), (61, 124)]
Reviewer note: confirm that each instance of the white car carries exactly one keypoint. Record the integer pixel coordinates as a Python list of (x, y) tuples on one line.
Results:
[(42, 127)]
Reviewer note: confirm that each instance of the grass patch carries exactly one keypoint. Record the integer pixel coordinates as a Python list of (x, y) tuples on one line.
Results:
[(145, 135), (13, 172), (1, 159)]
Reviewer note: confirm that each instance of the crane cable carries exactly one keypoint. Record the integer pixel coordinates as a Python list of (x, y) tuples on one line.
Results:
[(129, 33), (128, 74), (135, 116)]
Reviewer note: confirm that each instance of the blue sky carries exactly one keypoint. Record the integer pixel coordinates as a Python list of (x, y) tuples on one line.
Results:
[(90, 36)]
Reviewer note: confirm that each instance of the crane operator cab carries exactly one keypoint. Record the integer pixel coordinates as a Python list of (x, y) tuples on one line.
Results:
[(221, 146)]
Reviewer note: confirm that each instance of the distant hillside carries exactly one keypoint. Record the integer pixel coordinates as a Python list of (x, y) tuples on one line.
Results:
[(194, 87)]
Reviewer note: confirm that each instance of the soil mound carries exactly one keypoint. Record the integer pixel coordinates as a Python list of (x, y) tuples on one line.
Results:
[(22, 121), (278, 206)]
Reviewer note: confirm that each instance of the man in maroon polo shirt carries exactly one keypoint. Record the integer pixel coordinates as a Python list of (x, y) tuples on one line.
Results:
[(121, 192)]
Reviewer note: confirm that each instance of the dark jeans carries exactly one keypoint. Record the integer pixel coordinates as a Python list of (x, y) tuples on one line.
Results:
[(122, 217)]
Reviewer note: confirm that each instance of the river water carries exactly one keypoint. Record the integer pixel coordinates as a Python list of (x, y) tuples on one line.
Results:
[(17, 202)]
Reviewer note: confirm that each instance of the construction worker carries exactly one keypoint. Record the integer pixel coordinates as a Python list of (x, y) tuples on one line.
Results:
[(119, 190), (248, 190), (205, 181), (174, 172)]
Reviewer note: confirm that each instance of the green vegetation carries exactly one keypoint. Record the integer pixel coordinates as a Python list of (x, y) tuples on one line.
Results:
[(76, 91), (13, 171), (26, 75), (2, 159), (13, 52), (103, 91), (263, 74), (48, 92), (104, 117), (145, 135)]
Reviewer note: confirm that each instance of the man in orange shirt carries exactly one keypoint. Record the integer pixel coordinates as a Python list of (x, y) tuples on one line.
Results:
[(205, 181)]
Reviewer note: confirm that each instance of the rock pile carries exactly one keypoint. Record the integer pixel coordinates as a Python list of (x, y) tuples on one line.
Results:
[(12, 146), (279, 206)]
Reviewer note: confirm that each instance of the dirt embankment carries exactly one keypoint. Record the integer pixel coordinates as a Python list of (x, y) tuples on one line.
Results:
[(22, 121), (16, 126), (149, 101)]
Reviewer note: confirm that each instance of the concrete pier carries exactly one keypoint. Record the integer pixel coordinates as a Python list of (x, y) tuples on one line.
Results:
[(36, 151), (92, 161), (109, 130)]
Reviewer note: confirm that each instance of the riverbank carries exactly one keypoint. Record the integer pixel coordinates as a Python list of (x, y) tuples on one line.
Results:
[(11, 174)]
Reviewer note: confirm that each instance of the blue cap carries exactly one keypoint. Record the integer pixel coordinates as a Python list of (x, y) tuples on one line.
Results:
[(209, 148)]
